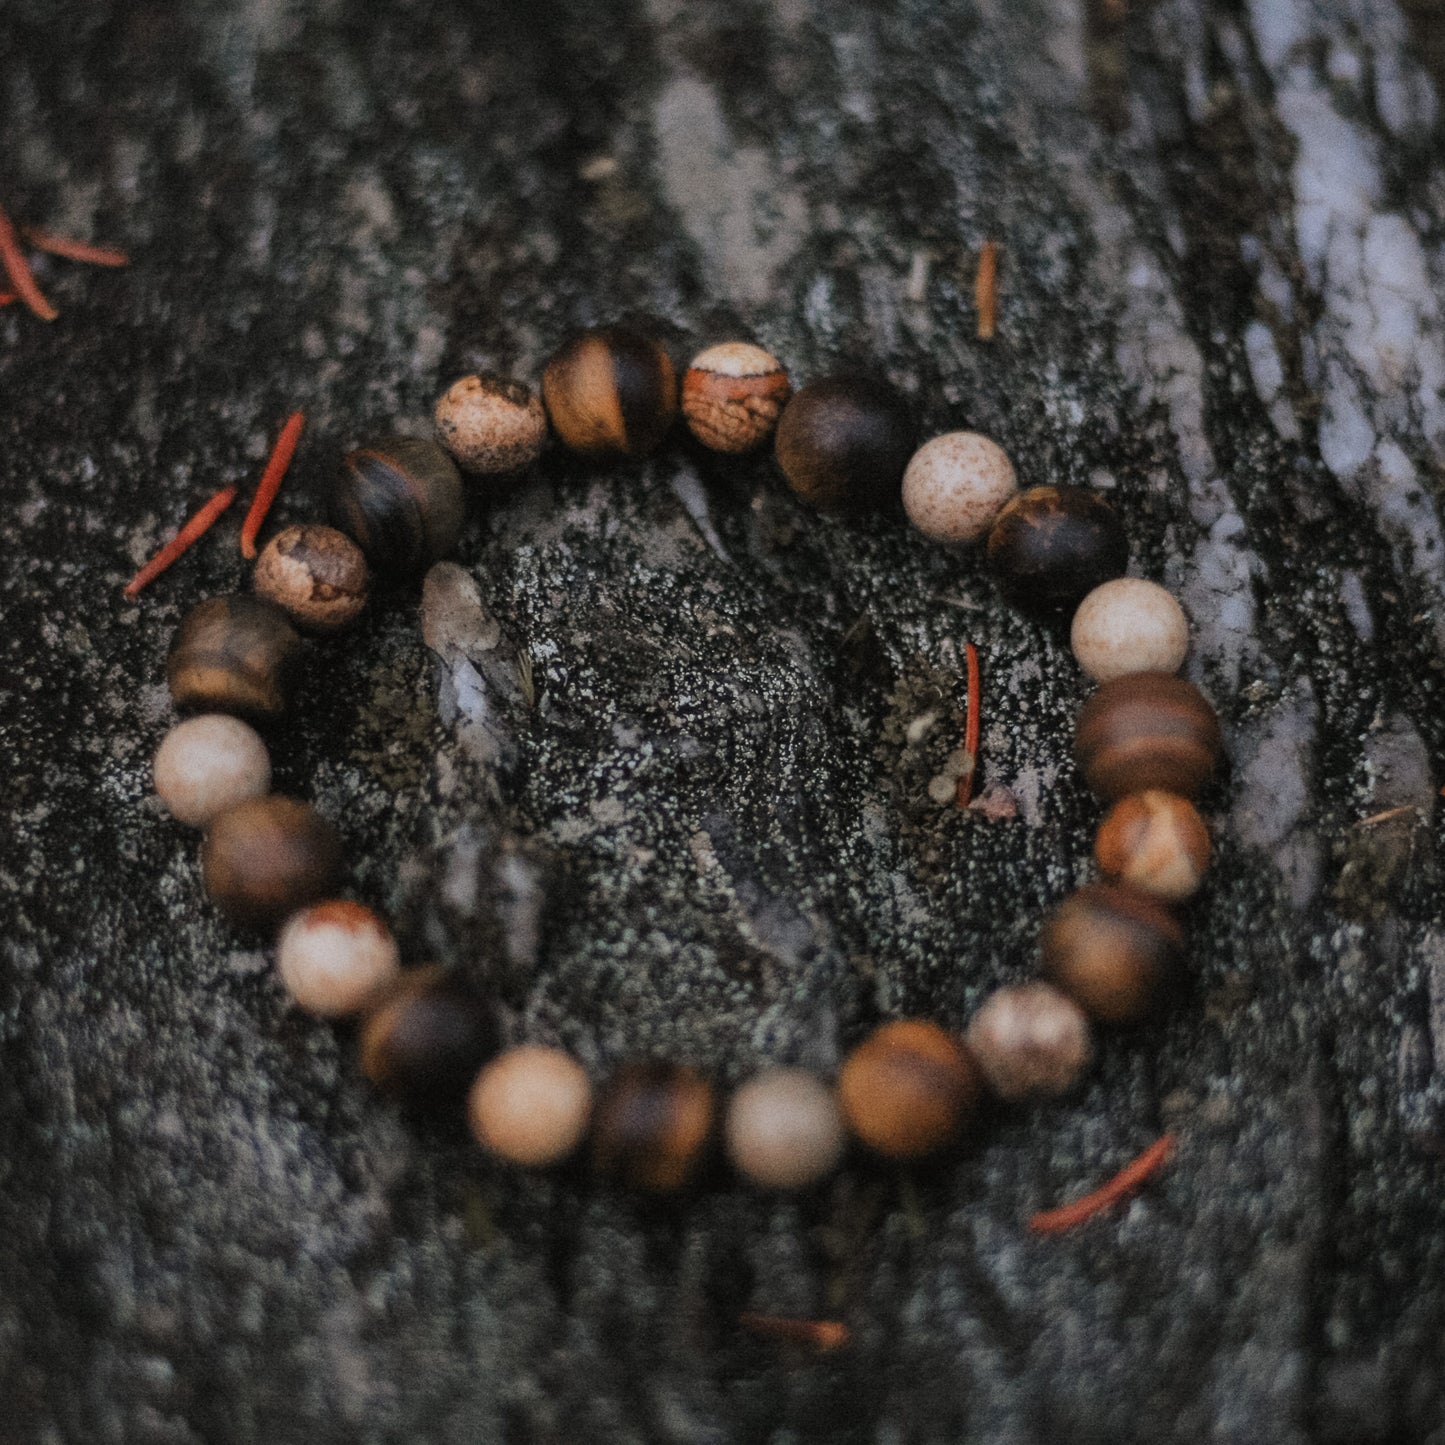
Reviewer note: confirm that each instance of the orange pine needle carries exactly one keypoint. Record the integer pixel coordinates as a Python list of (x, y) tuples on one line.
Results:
[(73, 250), (970, 729), (824, 1334), (193, 529), (985, 290), (17, 268), (8, 298), (270, 482), (1127, 1181)]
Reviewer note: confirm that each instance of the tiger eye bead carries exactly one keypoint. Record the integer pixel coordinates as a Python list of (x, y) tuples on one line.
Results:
[(315, 574), (1052, 545), (732, 396), (1156, 841), (1113, 950), (1147, 730), (611, 393), (844, 441), (491, 424), (908, 1089), (267, 857), (1031, 1041), (400, 500), (234, 654), (652, 1125), (426, 1037)]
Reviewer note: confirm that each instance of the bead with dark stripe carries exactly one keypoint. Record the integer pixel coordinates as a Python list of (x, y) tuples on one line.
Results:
[(236, 654), (1051, 546), (400, 500), (843, 443), (611, 393), (652, 1126)]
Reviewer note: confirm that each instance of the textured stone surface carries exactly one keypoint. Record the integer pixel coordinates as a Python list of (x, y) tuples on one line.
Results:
[(665, 782)]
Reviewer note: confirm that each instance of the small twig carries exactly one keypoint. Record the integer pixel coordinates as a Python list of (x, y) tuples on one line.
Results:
[(1127, 1181), (985, 290), (270, 482), (193, 529), (73, 250), (17, 268), (970, 730), (1386, 815), (822, 1334)]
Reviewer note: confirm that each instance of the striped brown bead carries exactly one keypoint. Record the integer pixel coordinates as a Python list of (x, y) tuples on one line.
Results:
[(1050, 546), (652, 1125), (611, 393), (843, 443), (400, 500), (427, 1036), (1147, 730), (234, 654)]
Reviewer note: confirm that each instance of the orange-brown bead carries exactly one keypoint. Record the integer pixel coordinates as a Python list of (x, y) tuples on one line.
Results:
[(908, 1089), (1147, 730), (611, 393), (267, 857), (732, 396), (652, 1126), (1157, 841)]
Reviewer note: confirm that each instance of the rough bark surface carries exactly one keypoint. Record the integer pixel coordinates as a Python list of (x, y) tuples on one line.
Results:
[(659, 772)]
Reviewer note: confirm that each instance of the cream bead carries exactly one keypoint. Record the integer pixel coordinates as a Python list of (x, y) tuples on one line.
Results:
[(531, 1105), (1030, 1040), (956, 485), (335, 957), (1129, 625), (208, 764), (784, 1129)]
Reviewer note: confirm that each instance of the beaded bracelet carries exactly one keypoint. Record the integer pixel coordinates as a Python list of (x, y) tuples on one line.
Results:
[(1146, 741)]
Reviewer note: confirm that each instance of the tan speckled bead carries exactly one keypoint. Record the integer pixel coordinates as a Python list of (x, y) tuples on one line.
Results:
[(732, 396), (335, 957), (956, 485), (530, 1106), (491, 424), (784, 1129), (1031, 1041), (1129, 625), (317, 575), (209, 763), (1157, 841)]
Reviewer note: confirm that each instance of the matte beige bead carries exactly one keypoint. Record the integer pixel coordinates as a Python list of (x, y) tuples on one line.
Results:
[(1030, 1041), (956, 485), (335, 957), (491, 424), (208, 764), (530, 1106), (784, 1129), (1157, 841), (1129, 625)]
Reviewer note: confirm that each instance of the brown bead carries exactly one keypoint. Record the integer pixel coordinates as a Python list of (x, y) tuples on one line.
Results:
[(491, 424), (732, 396), (267, 857), (530, 1106), (234, 654), (1031, 1041), (400, 500), (611, 393), (427, 1036), (314, 573), (1157, 841), (844, 442), (1051, 546), (908, 1089), (652, 1126), (1113, 950), (1147, 730)]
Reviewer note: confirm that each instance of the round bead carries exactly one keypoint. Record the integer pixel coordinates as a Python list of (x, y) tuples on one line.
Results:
[(335, 957), (732, 396), (314, 573), (530, 1106), (1157, 841), (956, 485), (1052, 545), (908, 1089), (234, 654), (1147, 730), (1113, 950), (491, 424), (652, 1126), (1030, 1041), (784, 1129), (267, 857), (209, 763), (1129, 625), (844, 441), (426, 1036), (400, 500), (611, 393)]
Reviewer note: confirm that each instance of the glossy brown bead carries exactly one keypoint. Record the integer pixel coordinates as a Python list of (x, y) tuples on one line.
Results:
[(317, 575), (267, 857), (234, 654), (844, 441), (1156, 841), (1113, 950), (1051, 546), (611, 393), (1147, 730), (400, 500), (652, 1126), (427, 1036), (732, 396), (908, 1089)]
